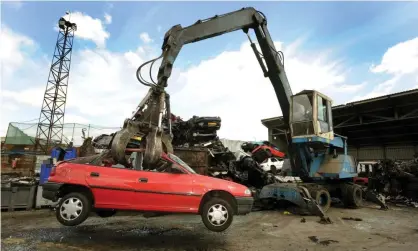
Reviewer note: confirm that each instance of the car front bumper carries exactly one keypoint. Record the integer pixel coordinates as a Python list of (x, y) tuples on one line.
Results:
[(50, 190), (244, 205)]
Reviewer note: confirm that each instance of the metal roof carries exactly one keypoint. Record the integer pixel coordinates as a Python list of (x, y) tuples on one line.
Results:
[(393, 95), (385, 120)]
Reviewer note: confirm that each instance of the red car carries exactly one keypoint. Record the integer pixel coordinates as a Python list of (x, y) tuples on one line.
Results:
[(90, 184), (269, 147)]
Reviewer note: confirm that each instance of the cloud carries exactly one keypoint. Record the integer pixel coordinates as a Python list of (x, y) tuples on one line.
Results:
[(89, 28), (13, 50), (103, 88), (72, 118), (108, 18), (29, 96), (232, 86), (400, 62), (401, 58), (145, 37)]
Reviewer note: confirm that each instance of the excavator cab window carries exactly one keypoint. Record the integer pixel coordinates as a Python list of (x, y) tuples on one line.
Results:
[(302, 115), (311, 115), (323, 118)]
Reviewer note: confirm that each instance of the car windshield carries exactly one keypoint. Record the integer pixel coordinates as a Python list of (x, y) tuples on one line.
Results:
[(180, 162)]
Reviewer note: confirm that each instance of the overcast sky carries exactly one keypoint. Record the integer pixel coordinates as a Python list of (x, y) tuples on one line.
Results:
[(349, 51)]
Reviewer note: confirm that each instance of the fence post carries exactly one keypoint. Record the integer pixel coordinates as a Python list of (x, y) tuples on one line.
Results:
[(7, 133), (72, 136)]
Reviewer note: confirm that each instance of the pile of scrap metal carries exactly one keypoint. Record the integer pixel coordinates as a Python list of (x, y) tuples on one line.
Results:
[(398, 180), (243, 166), (195, 131), (196, 142), (199, 135), (9, 180)]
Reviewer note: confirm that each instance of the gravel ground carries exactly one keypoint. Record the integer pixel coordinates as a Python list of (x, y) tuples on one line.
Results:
[(396, 229)]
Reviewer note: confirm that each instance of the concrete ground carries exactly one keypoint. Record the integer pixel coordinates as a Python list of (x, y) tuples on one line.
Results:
[(396, 229)]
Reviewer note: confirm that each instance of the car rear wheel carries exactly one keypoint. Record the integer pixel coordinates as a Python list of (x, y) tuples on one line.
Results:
[(217, 214), (73, 209)]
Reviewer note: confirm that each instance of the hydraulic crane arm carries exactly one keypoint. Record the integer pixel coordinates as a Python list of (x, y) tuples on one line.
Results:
[(149, 120), (244, 19)]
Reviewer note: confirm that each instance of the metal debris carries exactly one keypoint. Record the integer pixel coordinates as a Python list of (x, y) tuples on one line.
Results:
[(324, 242), (397, 180), (8, 180)]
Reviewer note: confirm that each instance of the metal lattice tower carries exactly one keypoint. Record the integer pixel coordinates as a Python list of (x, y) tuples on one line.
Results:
[(51, 120)]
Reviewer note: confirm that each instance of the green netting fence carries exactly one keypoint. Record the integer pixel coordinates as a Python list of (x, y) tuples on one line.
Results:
[(25, 133)]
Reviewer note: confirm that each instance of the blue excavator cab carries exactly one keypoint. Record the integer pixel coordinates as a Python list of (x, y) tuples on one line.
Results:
[(311, 118), (312, 130)]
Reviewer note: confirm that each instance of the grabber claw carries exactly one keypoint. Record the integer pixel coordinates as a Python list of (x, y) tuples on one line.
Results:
[(371, 196)]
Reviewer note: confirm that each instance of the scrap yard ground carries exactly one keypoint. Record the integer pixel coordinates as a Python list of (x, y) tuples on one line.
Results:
[(396, 229)]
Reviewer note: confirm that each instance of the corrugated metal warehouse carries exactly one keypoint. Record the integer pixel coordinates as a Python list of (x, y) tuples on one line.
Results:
[(385, 127)]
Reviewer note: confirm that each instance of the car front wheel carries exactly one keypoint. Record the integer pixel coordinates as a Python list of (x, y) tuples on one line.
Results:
[(73, 209), (217, 214)]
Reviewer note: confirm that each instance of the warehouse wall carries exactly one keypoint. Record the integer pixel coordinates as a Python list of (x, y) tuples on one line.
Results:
[(401, 152)]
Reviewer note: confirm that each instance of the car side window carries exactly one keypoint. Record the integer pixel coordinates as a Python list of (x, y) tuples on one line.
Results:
[(164, 166), (170, 168), (273, 160)]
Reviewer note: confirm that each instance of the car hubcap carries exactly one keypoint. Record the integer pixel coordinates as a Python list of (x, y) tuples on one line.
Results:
[(217, 215), (71, 209)]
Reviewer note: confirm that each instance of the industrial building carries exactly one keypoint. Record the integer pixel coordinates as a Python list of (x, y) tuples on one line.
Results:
[(379, 128)]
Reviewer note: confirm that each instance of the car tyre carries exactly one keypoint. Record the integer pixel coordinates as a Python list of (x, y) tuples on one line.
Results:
[(217, 214), (73, 209)]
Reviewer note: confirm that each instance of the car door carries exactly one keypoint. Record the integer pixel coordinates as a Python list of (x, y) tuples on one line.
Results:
[(112, 187), (166, 191)]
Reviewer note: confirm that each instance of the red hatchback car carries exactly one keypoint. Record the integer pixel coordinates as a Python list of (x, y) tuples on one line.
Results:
[(87, 184)]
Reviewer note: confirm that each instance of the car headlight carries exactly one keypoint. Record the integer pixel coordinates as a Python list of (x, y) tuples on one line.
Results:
[(247, 191)]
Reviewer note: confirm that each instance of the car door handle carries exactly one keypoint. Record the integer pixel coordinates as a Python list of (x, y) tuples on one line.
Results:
[(94, 174), (144, 180)]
